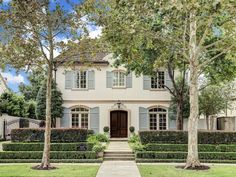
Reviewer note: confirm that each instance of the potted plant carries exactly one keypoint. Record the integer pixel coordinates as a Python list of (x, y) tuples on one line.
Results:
[(106, 130), (99, 149), (132, 129)]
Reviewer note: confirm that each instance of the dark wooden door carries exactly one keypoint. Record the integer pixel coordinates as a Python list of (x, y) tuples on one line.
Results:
[(119, 124)]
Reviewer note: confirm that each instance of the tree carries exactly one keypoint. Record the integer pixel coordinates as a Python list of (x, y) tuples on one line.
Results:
[(56, 106), (193, 32), (12, 104), (30, 91), (35, 28)]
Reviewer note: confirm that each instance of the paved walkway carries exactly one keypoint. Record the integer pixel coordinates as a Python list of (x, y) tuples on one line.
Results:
[(118, 168)]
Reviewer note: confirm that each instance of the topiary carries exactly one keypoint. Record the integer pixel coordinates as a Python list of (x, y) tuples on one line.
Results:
[(132, 129), (106, 129)]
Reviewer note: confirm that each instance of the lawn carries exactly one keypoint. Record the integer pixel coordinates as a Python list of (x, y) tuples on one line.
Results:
[(171, 171), (24, 170)]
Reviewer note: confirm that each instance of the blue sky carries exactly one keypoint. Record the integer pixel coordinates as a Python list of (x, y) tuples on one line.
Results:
[(15, 78)]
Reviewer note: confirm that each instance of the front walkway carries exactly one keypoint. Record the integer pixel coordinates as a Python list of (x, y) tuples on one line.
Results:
[(118, 168)]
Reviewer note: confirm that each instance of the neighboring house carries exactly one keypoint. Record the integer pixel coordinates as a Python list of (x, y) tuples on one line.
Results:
[(3, 85), (101, 95)]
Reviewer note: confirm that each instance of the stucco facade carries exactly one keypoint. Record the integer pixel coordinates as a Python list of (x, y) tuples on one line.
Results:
[(136, 97), (3, 86)]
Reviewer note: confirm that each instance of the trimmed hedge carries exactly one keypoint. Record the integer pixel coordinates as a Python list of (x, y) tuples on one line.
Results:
[(53, 155), (181, 137), (184, 147), (180, 161), (57, 135), (183, 155), (83, 146), (51, 160)]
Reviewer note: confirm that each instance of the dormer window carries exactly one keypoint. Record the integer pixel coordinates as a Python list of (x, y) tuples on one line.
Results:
[(118, 79)]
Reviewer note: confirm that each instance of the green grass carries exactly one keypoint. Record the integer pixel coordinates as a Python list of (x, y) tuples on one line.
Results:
[(69, 170), (171, 171)]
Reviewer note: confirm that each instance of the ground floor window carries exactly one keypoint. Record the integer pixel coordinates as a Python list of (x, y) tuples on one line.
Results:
[(79, 117), (158, 119)]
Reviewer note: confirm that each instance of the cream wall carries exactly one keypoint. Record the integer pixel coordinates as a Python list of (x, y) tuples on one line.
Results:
[(106, 106)]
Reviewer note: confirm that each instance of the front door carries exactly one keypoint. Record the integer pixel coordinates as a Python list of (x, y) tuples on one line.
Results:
[(119, 124)]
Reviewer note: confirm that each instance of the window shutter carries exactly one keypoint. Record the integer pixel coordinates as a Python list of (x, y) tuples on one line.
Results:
[(129, 80), (69, 79), (146, 82), (143, 119), (94, 119), (109, 79), (168, 81), (65, 120), (91, 80)]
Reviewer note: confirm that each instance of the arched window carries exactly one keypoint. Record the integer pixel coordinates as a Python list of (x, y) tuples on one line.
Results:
[(158, 118), (118, 78), (79, 117)]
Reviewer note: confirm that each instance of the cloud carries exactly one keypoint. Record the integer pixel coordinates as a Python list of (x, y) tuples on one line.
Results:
[(15, 79), (96, 33)]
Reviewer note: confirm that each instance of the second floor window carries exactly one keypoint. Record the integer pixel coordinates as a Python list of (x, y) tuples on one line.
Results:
[(158, 81), (81, 79), (118, 79)]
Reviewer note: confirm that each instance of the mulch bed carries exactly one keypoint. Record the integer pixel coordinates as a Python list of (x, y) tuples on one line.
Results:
[(39, 167), (202, 167)]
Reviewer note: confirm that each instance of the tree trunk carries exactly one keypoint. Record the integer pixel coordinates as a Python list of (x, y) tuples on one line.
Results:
[(192, 158), (207, 122), (47, 135), (179, 114)]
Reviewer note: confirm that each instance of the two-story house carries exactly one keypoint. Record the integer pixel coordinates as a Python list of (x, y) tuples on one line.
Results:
[(100, 95)]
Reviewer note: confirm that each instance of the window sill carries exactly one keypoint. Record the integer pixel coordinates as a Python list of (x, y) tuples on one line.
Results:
[(158, 89), (79, 89), (117, 87)]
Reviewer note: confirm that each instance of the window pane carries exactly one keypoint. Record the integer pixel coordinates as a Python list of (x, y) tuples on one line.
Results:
[(115, 78), (122, 79), (83, 81), (153, 121), (161, 79), (162, 121), (84, 120), (153, 82), (75, 120)]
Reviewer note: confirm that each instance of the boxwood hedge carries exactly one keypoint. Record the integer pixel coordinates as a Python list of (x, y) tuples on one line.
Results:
[(57, 135), (181, 137), (183, 155), (53, 155), (83, 146), (184, 147)]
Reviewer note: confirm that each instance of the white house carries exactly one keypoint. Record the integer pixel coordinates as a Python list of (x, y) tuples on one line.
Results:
[(101, 95)]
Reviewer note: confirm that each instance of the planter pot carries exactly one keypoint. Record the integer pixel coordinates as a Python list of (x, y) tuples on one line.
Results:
[(100, 154)]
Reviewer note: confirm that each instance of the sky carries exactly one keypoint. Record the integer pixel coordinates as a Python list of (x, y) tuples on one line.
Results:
[(15, 78)]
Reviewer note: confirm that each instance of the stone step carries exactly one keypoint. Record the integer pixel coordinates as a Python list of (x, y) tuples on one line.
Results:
[(119, 139), (119, 155), (118, 152), (119, 158)]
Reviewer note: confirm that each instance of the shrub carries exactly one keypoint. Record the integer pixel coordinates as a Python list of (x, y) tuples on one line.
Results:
[(131, 129), (134, 139), (95, 139), (54, 146), (51, 160), (184, 147), (181, 137), (183, 155), (53, 155), (106, 129), (98, 148), (57, 135)]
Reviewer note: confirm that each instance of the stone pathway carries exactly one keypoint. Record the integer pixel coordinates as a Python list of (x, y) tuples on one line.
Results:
[(114, 168)]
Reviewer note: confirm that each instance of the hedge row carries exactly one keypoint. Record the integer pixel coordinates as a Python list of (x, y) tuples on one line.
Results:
[(181, 137), (53, 155), (184, 147), (83, 146), (180, 161), (51, 160), (57, 135), (183, 155)]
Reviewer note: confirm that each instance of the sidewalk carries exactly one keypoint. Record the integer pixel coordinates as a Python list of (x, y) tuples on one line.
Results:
[(118, 169)]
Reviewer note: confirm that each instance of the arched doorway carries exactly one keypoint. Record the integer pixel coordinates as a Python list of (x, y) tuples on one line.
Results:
[(119, 124)]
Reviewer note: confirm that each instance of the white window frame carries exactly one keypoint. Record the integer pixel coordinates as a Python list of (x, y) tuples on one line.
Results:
[(75, 81), (79, 113), (158, 117), (118, 86), (157, 81)]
